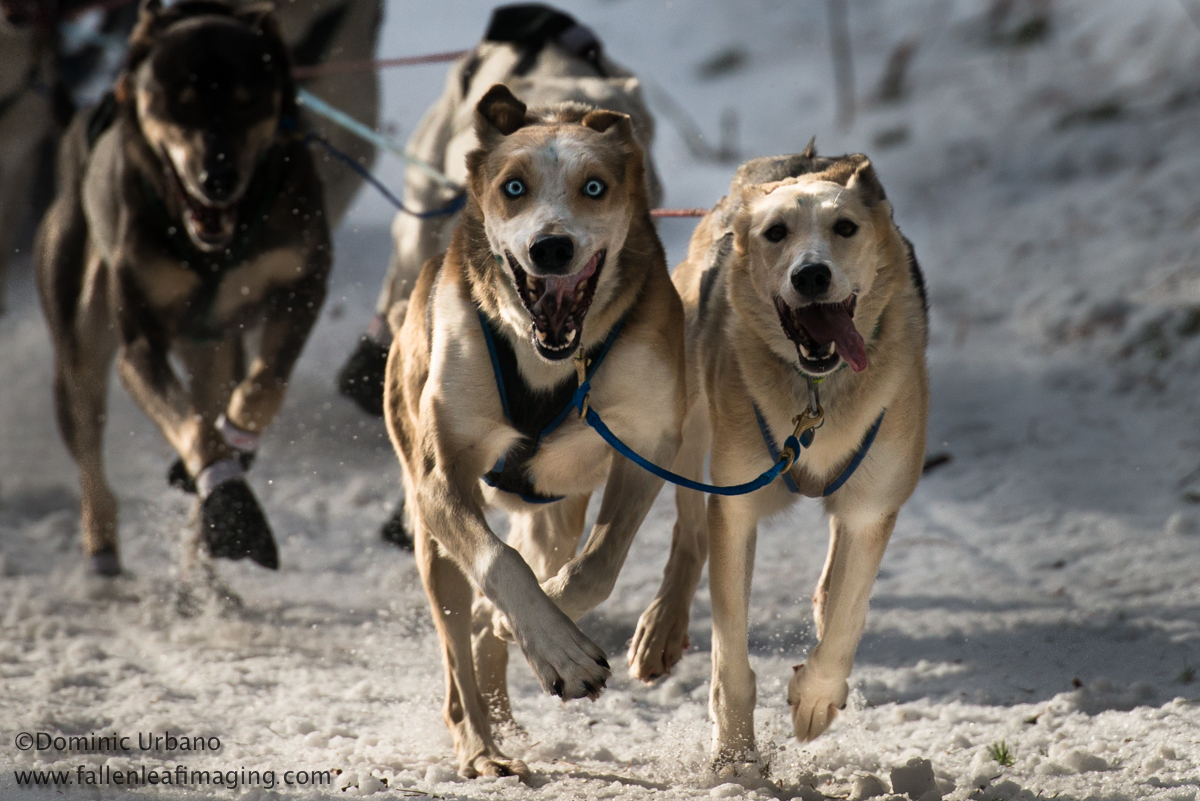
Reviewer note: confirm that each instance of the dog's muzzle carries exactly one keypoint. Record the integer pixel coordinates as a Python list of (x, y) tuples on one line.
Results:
[(557, 304), (824, 335), (210, 225)]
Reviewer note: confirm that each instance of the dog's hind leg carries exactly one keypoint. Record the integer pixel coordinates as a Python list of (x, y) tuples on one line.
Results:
[(74, 290), (662, 630), (546, 539), (732, 535), (84, 349), (450, 594)]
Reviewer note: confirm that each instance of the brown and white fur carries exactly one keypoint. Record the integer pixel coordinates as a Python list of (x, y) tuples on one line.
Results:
[(739, 354), (445, 418)]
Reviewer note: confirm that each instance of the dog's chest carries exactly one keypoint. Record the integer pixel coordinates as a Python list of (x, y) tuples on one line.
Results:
[(204, 303), (548, 454)]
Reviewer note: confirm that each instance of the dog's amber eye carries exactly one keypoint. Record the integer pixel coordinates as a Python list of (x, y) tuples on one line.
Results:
[(776, 232), (846, 228), (514, 188), (594, 188)]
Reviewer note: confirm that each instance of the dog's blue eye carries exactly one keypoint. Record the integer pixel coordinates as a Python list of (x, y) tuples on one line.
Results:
[(514, 188), (594, 188)]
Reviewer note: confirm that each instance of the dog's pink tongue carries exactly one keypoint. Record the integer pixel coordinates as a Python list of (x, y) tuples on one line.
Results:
[(558, 302), (828, 323)]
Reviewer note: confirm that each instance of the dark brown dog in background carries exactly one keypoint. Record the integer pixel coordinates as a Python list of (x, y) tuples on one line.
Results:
[(184, 219)]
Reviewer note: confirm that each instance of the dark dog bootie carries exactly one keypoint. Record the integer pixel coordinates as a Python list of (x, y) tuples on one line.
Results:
[(394, 530), (361, 377), (179, 477), (232, 523)]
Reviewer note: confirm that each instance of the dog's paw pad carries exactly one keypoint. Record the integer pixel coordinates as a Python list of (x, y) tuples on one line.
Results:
[(234, 527)]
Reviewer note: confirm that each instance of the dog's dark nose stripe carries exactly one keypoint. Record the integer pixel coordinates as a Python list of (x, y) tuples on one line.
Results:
[(219, 180), (812, 280), (552, 254)]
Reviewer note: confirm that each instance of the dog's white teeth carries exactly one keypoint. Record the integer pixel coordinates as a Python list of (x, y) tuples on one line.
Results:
[(829, 349), (805, 352), (541, 335)]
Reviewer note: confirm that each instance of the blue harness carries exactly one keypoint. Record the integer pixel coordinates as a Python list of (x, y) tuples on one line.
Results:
[(509, 475), (806, 440), (509, 472)]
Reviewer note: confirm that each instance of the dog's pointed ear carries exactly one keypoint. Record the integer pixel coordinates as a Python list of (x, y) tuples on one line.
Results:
[(603, 121), (864, 181), (810, 150), (141, 41), (256, 15), (499, 110), (741, 220)]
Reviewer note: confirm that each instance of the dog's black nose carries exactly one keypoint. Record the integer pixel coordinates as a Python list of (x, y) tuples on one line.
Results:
[(552, 254), (812, 280), (219, 180)]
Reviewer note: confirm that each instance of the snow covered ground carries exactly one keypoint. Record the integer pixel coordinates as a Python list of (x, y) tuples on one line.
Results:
[(1042, 589)]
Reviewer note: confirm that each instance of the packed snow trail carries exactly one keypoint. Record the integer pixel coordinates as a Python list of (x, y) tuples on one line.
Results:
[(1041, 588)]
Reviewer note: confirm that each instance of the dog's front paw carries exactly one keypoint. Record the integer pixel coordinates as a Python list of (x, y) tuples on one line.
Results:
[(233, 525), (746, 767), (495, 765), (815, 700), (565, 661), (179, 477), (105, 562), (660, 640)]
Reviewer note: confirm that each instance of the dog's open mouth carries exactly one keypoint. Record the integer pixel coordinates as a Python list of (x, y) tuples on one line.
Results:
[(210, 226), (824, 334), (557, 305)]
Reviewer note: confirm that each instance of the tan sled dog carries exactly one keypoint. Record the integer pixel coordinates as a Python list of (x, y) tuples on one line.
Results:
[(799, 273), (555, 259)]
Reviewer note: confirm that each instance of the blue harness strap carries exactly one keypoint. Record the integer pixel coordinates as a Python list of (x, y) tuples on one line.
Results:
[(491, 478), (783, 460), (620, 447), (859, 455), (453, 207), (806, 440)]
